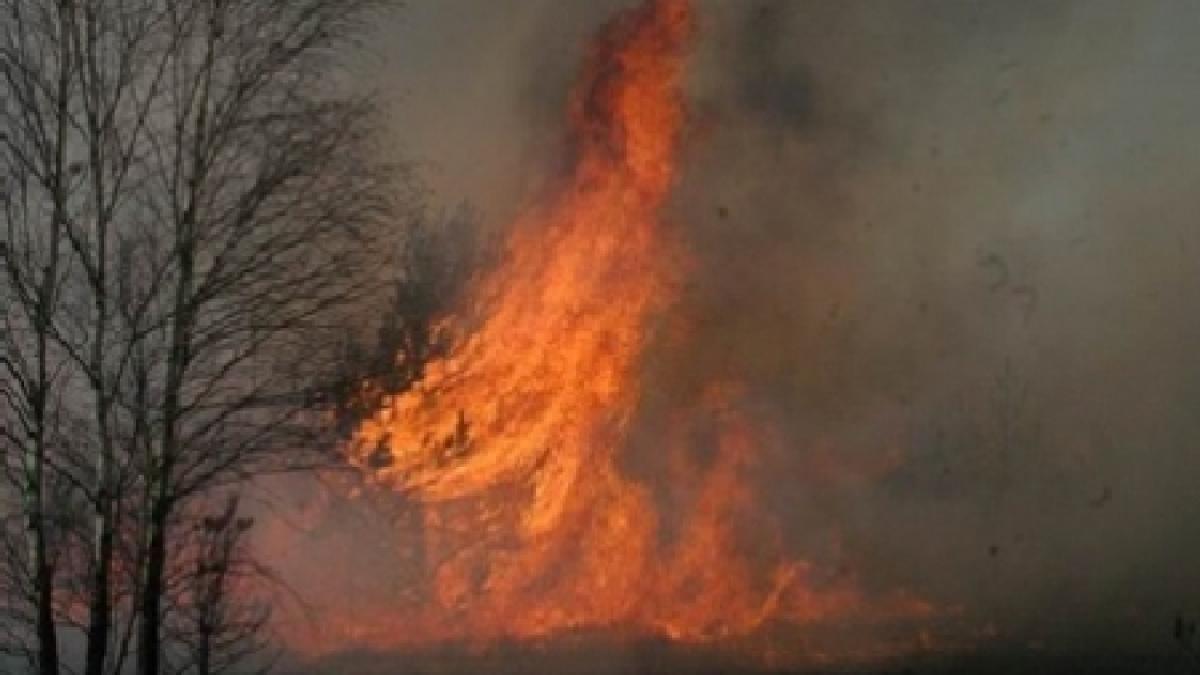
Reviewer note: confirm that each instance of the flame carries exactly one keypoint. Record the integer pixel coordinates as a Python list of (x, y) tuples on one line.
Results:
[(514, 443)]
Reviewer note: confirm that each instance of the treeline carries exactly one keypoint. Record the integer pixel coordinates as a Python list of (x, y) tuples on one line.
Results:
[(193, 230)]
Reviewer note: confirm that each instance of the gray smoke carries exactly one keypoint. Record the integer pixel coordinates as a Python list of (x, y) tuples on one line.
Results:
[(960, 232)]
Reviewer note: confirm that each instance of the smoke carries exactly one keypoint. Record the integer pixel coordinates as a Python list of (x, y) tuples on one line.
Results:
[(948, 246), (951, 239)]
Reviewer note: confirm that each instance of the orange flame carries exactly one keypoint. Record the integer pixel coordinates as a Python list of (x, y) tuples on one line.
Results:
[(513, 443)]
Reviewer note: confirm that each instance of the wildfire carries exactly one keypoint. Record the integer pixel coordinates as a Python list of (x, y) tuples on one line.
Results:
[(514, 444)]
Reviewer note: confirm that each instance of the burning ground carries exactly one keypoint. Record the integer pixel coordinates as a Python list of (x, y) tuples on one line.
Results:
[(821, 334)]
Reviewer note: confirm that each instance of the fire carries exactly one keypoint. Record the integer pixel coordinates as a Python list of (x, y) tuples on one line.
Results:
[(514, 444)]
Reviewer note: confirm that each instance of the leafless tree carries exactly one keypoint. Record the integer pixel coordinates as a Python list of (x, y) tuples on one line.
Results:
[(192, 214), (221, 597), (37, 185)]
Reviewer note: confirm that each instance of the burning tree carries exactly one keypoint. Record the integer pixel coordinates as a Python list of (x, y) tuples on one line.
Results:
[(190, 211)]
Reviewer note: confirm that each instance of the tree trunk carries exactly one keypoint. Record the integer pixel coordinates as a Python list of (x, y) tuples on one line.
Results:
[(100, 612), (160, 500), (35, 505), (40, 570), (204, 653), (150, 630), (43, 577), (47, 635), (43, 572)]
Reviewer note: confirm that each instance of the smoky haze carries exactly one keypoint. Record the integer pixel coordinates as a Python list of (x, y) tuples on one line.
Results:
[(950, 247), (960, 233)]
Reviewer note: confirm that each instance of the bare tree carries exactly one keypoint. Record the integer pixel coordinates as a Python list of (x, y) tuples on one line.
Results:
[(120, 60), (37, 184), (221, 596), (261, 212), (191, 212)]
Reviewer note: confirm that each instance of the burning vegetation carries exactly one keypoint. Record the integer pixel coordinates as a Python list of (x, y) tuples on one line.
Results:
[(515, 444)]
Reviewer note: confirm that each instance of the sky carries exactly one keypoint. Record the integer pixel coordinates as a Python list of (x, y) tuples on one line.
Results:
[(957, 238)]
